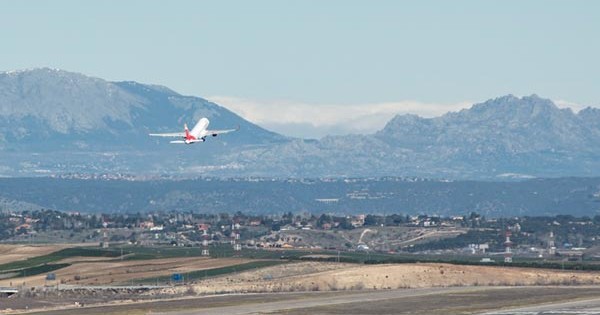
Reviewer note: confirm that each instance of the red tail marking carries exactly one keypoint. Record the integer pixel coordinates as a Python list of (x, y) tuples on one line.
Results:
[(188, 136)]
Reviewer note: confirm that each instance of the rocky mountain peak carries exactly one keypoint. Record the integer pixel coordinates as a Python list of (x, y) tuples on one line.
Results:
[(53, 120), (49, 104)]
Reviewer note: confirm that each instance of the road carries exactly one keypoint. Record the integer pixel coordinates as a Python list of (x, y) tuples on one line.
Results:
[(583, 307)]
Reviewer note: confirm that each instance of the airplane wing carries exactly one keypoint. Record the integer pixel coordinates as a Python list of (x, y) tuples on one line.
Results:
[(214, 133), (172, 134)]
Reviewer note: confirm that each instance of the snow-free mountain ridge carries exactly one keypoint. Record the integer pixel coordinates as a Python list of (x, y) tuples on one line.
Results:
[(54, 121)]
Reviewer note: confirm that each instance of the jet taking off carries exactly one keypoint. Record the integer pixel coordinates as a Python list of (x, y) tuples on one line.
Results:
[(198, 133)]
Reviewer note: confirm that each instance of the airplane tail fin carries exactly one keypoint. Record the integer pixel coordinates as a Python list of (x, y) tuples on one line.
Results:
[(187, 131)]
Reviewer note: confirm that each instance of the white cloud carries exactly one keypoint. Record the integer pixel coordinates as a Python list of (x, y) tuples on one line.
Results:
[(309, 120), (566, 104), (316, 120)]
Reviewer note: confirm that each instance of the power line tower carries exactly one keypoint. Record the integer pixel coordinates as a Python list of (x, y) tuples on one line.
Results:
[(551, 245), (508, 255), (235, 237), (205, 238), (104, 243)]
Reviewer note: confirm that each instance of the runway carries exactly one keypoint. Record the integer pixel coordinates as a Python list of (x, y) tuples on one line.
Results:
[(583, 307), (316, 301), (526, 300)]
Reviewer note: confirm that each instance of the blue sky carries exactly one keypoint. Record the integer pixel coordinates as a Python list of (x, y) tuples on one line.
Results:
[(316, 67)]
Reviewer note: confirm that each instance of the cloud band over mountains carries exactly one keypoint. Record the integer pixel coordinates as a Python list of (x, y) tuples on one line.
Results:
[(312, 120), (316, 120)]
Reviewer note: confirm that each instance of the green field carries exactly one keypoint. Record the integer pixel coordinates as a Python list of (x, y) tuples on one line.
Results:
[(46, 263), (216, 251), (202, 274), (39, 270), (264, 257), (358, 257)]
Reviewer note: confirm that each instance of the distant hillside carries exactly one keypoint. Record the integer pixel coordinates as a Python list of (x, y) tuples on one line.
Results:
[(75, 123), (70, 109), (506, 137), (53, 121), (575, 196)]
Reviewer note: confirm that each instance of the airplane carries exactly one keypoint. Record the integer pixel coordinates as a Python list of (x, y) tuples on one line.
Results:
[(197, 134)]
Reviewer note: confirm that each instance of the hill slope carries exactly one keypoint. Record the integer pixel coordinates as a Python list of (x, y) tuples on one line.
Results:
[(504, 137), (59, 121), (64, 107), (53, 121)]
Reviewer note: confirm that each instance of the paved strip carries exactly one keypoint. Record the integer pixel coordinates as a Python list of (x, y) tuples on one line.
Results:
[(353, 297), (582, 307)]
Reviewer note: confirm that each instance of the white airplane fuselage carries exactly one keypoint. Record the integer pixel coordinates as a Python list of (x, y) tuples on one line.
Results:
[(197, 134)]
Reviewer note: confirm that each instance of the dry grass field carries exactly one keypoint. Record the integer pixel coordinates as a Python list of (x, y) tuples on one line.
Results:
[(303, 278), (319, 276), (10, 253)]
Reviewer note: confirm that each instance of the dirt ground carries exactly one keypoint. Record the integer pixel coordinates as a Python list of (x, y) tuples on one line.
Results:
[(120, 272), (319, 276), (380, 238), (324, 277), (10, 253), (430, 301), (128, 307)]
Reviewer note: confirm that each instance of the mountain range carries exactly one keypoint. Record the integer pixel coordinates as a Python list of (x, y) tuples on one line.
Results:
[(54, 121)]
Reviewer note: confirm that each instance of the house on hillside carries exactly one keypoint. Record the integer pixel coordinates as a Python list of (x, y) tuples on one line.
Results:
[(146, 225), (358, 221), (203, 227), (23, 228), (255, 222)]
